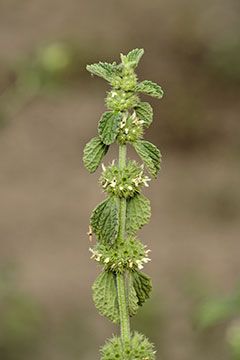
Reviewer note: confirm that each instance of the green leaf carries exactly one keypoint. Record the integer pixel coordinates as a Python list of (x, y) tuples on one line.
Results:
[(138, 213), (132, 296), (150, 88), (144, 112), (109, 126), (149, 154), (104, 70), (134, 56), (93, 153), (142, 285), (105, 296), (104, 221)]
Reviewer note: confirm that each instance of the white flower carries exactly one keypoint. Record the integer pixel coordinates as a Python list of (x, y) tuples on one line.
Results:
[(107, 260), (139, 264), (98, 257), (136, 181), (130, 188), (113, 183), (121, 187), (105, 184), (145, 181), (126, 131), (146, 260)]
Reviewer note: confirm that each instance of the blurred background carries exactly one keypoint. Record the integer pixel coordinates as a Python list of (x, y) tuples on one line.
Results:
[(49, 108)]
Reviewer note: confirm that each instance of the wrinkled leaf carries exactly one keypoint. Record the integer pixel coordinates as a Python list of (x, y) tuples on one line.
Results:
[(109, 126), (134, 56), (104, 221), (149, 154), (138, 213), (132, 297), (142, 285), (93, 153), (104, 70), (150, 88), (144, 112), (105, 296)]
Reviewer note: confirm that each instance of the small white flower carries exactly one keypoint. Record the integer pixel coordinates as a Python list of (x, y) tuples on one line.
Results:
[(140, 267), (114, 93), (107, 260), (146, 260), (121, 187), (136, 181), (113, 183), (145, 181), (105, 184), (130, 188), (98, 257), (126, 131), (122, 124)]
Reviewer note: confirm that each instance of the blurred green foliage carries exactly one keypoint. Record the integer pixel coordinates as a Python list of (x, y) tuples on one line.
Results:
[(213, 312), (20, 325)]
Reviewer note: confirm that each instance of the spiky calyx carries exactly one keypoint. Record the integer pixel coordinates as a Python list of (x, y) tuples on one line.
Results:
[(126, 182), (137, 347), (129, 254)]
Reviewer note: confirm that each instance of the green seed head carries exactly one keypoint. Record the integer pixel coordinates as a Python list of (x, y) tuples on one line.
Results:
[(136, 348)]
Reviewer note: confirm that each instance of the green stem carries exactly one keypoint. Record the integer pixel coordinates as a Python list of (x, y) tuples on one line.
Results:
[(121, 286)]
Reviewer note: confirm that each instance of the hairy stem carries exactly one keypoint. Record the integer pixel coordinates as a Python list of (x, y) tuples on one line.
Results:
[(121, 287)]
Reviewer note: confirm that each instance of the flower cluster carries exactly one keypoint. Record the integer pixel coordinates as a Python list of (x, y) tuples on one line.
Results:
[(124, 182), (131, 128), (129, 254), (127, 81), (136, 348), (120, 100)]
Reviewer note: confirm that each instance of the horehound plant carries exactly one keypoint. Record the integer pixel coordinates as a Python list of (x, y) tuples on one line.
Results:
[(121, 288)]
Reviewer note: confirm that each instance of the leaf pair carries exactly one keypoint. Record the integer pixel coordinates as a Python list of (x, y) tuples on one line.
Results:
[(109, 71), (105, 217), (138, 287)]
